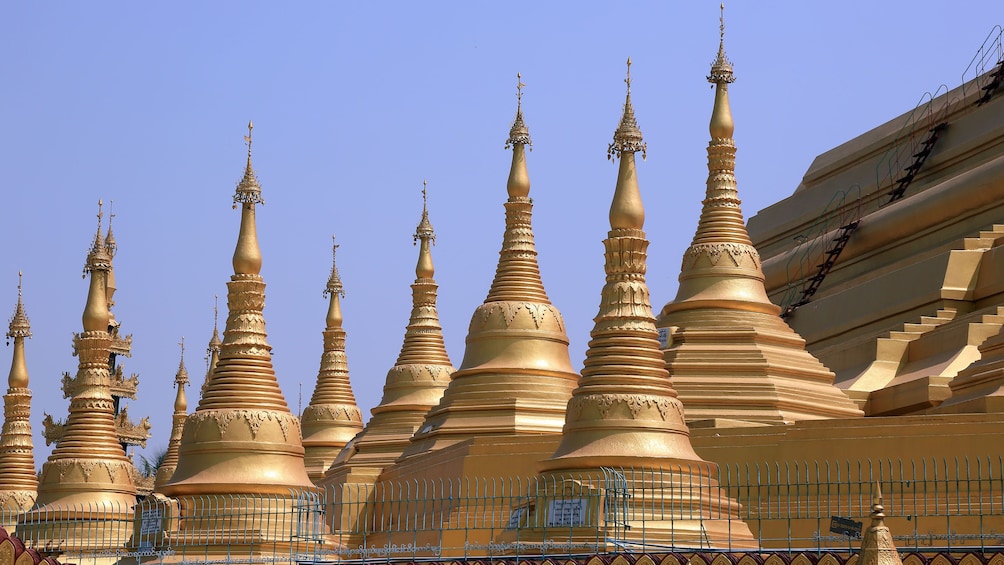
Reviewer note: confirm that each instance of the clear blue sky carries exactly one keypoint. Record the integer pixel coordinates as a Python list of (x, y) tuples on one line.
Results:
[(356, 103)]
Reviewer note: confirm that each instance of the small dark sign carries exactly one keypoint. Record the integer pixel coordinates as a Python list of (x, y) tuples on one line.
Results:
[(845, 526)]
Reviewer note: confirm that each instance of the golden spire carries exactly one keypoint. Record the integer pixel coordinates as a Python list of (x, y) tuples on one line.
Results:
[(877, 545), (170, 463), (625, 413), (88, 469), (96, 314), (242, 438), (332, 418), (111, 248), (516, 376), (247, 255), (18, 481), (721, 303), (415, 383), (213, 350)]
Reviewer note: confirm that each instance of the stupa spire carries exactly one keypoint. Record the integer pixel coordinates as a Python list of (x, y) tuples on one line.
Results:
[(332, 418), (877, 545), (18, 482), (88, 469), (516, 376), (242, 438), (213, 349), (170, 463), (625, 413), (416, 381), (721, 307)]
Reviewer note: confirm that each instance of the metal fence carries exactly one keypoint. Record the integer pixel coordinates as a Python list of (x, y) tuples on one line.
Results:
[(931, 505)]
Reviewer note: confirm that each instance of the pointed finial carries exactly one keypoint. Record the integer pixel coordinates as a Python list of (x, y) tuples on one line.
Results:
[(721, 68), (110, 246), (19, 324), (627, 137), (424, 230), (98, 257), (248, 189), (878, 511), (519, 134), (334, 280)]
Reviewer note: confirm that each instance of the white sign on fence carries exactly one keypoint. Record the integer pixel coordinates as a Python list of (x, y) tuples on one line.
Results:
[(566, 512)]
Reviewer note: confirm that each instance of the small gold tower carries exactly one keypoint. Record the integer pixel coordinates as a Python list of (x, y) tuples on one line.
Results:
[(242, 438), (877, 545), (18, 482), (731, 356), (213, 349), (88, 471), (625, 414), (332, 418), (413, 385), (170, 463), (516, 376)]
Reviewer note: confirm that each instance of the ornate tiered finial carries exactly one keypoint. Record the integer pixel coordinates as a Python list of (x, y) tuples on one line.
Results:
[(19, 324), (97, 257), (110, 246), (721, 68), (424, 230), (628, 136), (519, 134), (248, 189), (334, 280)]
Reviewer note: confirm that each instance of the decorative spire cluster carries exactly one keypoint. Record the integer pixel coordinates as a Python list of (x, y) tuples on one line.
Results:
[(625, 412), (213, 349), (414, 384), (332, 418), (170, 463), (516, 376), (242, 438), (18, 482)]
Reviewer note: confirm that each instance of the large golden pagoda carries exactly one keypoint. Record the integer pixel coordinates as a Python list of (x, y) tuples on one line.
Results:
[(242, 438), (414, 384), (18, 482), (625, 414), (170, 462), (733, 359), (516, 376), (332, 418), (88, 470)]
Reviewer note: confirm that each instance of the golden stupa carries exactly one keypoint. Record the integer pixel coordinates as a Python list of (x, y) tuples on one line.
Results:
[(415, 383), (877, 545), (170, 462), (332, 418), (733, 359), (516, 376), (18, 482), (242, 438), (88, 470), (212, 350), (624, 418)]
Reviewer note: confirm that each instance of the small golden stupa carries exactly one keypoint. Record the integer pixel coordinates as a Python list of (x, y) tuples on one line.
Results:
[(242, 438), (213, 349), (625, 414), (170, 463), (414, 384), (18, 482), (88, 470), (332, 418), (733, 359), (877, 545), (516, 376)]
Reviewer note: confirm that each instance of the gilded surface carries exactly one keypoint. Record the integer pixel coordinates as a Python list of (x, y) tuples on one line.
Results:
[(18, 481)]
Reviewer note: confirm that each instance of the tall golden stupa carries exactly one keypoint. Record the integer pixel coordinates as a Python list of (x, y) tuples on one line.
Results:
[(625, 414), (516, 376), (88, 469), (414, 385), (167, 467), (18, 482), (732, 358), (332, 418), (242, 438)]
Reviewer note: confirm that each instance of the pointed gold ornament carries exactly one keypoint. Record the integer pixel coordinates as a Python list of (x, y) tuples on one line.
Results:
[(170, 463), (18, 481)]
